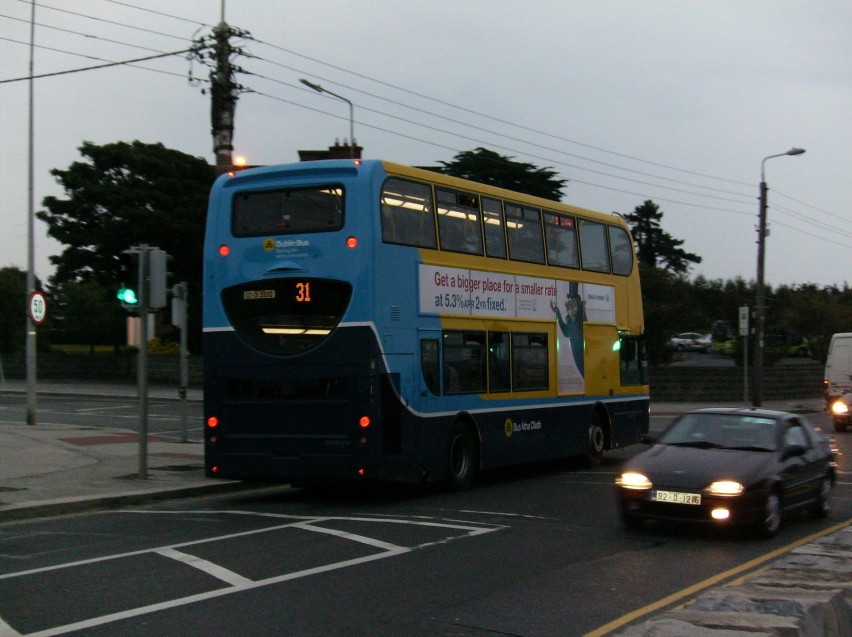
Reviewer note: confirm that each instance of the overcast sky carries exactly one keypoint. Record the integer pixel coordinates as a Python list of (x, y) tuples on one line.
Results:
[(674, 101)]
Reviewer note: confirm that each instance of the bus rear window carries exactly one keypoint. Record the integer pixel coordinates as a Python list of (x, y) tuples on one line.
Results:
[(287, 211)]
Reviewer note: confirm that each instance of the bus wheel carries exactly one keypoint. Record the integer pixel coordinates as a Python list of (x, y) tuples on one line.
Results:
[(594, 452), (463, 457)]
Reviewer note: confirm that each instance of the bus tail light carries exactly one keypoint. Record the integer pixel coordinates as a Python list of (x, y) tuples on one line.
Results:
[(351, 242), (364, 422), (224, 250), (362, 472), (212, 422), (214, 469)]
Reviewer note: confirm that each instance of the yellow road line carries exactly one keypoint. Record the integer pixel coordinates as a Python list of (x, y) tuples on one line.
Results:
[(711, 581)]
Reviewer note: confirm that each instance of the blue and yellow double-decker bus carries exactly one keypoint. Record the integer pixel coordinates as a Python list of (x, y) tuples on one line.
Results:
[(365, 320)]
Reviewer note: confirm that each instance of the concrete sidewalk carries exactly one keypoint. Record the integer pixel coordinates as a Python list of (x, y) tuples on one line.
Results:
[(54, 468)]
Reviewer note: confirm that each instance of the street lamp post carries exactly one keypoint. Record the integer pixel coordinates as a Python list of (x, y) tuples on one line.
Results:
[(760, 303), (320, 89)]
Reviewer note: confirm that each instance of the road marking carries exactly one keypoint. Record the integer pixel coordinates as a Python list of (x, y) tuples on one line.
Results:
[(191, 599), (237, 583), (7, 631), (219, 572), (698, 587), (505, 515)]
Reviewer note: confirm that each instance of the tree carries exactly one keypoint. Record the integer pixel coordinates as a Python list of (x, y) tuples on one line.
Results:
[(126, 194), (487, 167), (654, 246), (13, 297), (86, 313)]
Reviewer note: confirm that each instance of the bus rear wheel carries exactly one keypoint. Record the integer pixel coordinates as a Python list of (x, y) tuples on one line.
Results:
[(462, 457), (597, 440)]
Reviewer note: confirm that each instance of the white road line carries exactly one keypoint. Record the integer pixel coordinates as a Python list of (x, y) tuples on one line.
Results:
[(219, 572), (191, 599), (351, 536), (106, 558), (237, 583), (7, 631)]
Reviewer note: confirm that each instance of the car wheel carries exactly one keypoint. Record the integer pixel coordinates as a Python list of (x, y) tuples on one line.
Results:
[(462, 457), (597, 438), (679, 348), (823, 504), (839, 425), (771, 522)]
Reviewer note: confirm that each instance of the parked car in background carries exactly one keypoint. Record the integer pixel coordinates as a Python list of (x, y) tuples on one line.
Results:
[(841, 412), (685, 341), (729, 467), (704, 343), (799, 347)]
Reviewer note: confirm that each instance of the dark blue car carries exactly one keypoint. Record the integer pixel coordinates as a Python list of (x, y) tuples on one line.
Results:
[(745, 468)]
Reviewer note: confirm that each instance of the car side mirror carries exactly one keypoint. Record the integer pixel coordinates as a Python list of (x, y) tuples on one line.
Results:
[(791, 451)]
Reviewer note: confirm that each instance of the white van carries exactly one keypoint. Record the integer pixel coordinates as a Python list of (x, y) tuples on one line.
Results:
[(838, 367)]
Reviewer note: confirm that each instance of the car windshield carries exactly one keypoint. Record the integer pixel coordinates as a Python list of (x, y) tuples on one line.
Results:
[(723, 431)]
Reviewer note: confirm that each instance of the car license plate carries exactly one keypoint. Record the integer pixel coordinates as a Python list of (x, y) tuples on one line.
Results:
[(676, 497)]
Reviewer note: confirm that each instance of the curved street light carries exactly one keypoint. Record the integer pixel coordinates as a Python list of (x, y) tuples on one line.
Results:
[(320, 89), (760, 303)]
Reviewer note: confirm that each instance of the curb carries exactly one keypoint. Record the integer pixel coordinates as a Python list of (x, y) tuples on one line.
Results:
[(808, 593), (73, 505)]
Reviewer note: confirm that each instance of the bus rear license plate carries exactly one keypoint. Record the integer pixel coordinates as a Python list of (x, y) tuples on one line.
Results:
[(676, 497)]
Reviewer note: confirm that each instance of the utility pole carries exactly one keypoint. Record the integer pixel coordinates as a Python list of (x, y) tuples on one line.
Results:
[(217, 52), (223, 94)]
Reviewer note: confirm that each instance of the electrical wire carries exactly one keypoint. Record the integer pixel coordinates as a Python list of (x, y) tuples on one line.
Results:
[(456, 122), (108, 64)]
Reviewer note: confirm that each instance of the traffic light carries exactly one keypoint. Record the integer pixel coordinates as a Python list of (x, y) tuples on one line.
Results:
[(158, 273), (127, 296), (148, 266), (128, 289)]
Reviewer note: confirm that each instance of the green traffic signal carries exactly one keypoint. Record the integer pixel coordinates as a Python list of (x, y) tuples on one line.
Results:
[(127, 295)]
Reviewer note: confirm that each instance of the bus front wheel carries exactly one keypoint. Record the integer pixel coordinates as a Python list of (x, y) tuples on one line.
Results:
[(462, 456)]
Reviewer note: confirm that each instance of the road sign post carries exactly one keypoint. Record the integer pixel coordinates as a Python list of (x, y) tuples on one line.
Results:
[(142, 363), (180, 297), (149, 295), (744, 333)]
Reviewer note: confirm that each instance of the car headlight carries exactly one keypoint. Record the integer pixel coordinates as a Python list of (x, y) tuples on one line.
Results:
[(633, 480), (839, 408), (725, 487)]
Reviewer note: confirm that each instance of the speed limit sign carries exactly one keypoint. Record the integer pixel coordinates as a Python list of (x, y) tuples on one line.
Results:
[(37, 307)]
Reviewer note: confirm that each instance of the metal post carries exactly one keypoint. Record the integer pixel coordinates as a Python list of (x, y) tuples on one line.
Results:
[(743, 331), (760, 300), (184, 360), (320, 89), (30, 343), (760, 309), (142, 363), (745, 369)]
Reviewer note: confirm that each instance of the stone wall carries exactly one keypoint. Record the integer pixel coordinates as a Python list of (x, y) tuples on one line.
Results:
[(105, 368), (676, 383), (717, 384)]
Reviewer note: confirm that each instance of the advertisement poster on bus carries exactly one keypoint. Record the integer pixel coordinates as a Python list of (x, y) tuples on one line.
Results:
[(450, 291)]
